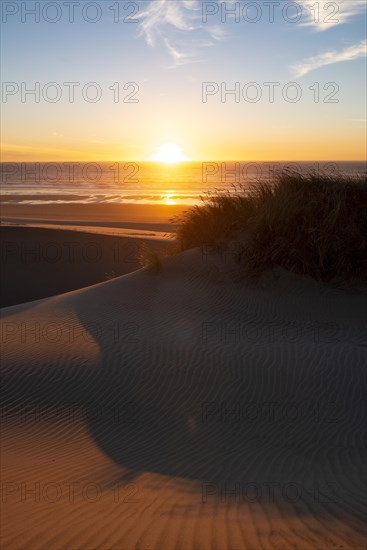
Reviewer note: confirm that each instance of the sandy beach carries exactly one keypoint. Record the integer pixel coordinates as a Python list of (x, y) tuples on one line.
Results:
[(101, 213), (189, 408), (65, 248)]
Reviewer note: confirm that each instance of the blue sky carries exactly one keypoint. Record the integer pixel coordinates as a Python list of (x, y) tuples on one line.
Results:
[(169, 53)]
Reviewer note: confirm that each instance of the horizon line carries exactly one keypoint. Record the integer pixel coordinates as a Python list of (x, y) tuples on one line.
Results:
[(182, 162)]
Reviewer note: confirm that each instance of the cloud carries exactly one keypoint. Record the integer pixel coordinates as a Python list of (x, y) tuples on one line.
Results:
[(178, 26), (331, 57), (324, 14)]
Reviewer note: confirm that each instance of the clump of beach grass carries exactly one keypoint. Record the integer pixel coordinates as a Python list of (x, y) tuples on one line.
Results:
[(149, 258), (311, 224)]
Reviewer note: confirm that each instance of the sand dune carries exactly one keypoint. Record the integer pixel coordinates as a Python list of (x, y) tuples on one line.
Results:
[(55, 261), (186, 409)]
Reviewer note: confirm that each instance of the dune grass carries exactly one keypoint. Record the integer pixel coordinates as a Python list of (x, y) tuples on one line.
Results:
[(309, 224), (149, 258)]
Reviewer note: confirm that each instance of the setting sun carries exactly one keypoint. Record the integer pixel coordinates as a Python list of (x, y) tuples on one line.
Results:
[(169, 154)]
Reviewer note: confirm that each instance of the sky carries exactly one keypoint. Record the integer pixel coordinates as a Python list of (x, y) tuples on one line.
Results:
[(145, 74)]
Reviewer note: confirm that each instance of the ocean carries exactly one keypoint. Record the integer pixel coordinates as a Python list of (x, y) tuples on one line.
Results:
[(142, 182)]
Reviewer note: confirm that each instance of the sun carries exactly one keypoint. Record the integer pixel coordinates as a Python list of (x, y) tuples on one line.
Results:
[(169, 154)]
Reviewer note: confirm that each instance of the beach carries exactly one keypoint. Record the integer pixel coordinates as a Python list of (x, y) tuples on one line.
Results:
[(65, 248), (189, 407), (89, 213)]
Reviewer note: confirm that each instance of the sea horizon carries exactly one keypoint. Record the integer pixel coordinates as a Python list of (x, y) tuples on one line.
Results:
[(148, 182)]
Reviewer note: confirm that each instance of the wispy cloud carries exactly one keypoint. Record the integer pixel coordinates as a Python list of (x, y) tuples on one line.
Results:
[(323, 14), (178, 26), (331, 57)]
